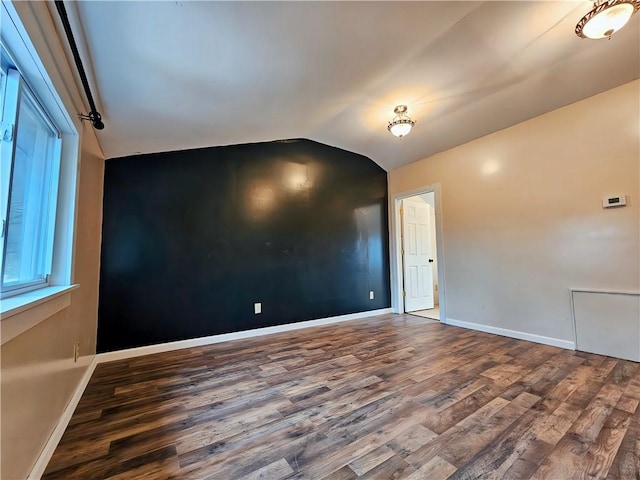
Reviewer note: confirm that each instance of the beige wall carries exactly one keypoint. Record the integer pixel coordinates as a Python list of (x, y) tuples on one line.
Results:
[(522, 213), (38, 373)]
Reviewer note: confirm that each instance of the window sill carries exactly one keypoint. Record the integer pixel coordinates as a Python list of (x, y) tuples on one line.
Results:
[(25, 311)]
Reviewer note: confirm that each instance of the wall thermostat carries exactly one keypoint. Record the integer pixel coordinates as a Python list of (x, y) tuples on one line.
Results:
[(615, 201)]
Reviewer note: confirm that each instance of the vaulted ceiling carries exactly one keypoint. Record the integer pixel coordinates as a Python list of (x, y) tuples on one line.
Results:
[(177, 75)]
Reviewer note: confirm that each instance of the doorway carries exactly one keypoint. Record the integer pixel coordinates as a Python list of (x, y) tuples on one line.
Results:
[(417, 264)]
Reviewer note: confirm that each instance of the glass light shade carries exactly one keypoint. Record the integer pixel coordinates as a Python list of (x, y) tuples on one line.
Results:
[(608, 21), (400, 129)]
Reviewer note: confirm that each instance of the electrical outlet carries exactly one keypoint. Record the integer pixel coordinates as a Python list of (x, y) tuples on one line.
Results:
[(257, 308), (76, 351), (371, 295)]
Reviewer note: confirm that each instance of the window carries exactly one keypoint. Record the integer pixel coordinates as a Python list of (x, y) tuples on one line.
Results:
[(30, 168), (39, 159), (39, 163)]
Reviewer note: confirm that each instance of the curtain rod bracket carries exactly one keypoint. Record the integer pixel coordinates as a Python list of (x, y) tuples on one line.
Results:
[(95, 118)]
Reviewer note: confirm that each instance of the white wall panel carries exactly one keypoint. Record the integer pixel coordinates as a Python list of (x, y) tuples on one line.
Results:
[(608, 323)]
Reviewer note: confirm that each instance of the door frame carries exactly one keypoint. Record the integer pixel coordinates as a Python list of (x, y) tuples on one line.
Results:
[(395, 246)]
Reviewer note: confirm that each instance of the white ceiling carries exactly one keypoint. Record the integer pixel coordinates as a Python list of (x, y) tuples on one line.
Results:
[(178, 75)]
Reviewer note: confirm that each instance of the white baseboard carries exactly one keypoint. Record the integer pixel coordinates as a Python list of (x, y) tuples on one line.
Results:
[(555, 342), (225, 337), (47, 452)]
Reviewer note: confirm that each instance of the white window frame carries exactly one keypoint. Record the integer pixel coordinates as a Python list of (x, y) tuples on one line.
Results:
[(24, 310), (17, 88)]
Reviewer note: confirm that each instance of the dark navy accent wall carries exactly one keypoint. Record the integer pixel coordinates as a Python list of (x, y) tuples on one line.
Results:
[(192, 239)]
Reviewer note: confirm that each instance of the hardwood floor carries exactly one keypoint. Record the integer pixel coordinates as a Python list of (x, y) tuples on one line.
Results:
[(387, 397)]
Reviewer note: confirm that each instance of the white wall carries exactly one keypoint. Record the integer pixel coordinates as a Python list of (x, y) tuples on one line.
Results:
[(522, 213)]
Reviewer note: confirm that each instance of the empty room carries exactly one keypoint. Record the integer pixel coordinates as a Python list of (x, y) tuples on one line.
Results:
[(320, 240)]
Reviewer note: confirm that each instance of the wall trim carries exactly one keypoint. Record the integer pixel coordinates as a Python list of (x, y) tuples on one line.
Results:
[(52, 443), (226, 337), (505, 332)]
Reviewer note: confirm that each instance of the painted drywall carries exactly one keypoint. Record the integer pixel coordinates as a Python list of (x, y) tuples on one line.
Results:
[(522, 213), (38, 374), (192, 239)]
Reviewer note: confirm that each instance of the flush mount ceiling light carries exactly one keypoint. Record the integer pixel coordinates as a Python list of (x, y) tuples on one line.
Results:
[(401, 124), (606, 18)]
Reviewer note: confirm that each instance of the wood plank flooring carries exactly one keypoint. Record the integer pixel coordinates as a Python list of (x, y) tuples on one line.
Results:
[(388, 397)]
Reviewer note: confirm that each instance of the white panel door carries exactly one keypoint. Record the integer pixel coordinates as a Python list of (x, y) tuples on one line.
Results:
[(417, 261)]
